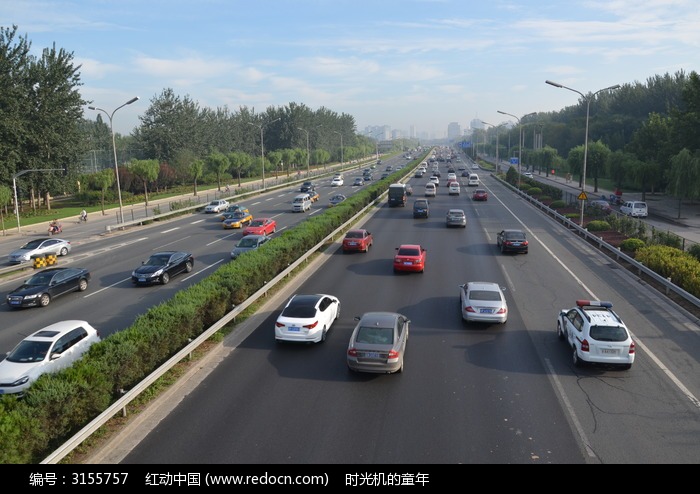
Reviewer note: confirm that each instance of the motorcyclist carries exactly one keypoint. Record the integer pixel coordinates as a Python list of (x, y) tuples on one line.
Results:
[(54, 227), (83, 215)]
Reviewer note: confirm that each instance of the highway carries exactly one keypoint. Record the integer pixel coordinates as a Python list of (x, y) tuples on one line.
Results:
[(504, 394)]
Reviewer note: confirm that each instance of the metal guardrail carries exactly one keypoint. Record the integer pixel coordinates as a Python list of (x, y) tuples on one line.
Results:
[(639, 267), (132, 394)]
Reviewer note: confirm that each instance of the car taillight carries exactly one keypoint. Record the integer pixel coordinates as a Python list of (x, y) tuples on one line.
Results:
[(279, 324), (352, 352), (631, 348), (585, 346), (393, 354), (312, 325), (469, 308), (501, 311)]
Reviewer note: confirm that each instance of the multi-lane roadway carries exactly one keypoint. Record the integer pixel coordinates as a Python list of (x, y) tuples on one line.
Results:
[(468, 394)]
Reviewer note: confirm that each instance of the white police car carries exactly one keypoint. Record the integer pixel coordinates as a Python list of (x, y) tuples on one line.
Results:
[(596, 334)]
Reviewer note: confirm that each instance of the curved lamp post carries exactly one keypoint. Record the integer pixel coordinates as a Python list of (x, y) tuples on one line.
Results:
[(114, 147), (262, 145), (585, 139), (520, 143)]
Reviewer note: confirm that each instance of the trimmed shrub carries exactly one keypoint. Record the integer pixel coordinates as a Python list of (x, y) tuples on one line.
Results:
[(694, 251), (557, 204), (598, 226), (534, 191), (632, 244)]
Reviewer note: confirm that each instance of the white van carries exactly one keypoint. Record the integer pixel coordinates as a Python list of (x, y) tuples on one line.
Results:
[(636, 209), (430, 190), (301, 203), (473, 180)]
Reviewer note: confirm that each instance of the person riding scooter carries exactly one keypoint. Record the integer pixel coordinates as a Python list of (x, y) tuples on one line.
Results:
[(55, 227)]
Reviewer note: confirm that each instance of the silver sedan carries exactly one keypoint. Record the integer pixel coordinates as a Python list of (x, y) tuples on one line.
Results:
[(40, 247), (378, 343)]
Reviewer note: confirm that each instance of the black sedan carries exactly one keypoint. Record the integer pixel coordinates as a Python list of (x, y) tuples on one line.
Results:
[(512, 241), (161, 266), (48, 284)]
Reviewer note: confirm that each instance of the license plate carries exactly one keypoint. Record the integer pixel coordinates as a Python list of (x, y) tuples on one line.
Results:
[(293, 328), (15, 302), (516, 244), (609, 351), (372, 354), (408, 263), (352, 243), (486, 311), (142, 280)]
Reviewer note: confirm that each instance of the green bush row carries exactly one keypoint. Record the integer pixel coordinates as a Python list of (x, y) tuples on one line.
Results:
[(682, 268)]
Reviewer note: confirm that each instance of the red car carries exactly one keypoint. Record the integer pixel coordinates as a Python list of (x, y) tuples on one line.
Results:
[(261, 226), (410, 257), (480, 195), (359, 240)]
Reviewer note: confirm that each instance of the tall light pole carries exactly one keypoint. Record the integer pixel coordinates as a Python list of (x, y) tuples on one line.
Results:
[(262, 145), (585, 139), (114, 147), (520, 143), (308, 167), (342, 159), (498, 163)]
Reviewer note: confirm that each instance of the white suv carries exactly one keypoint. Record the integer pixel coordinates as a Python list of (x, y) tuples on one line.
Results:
[(217, 206), (596, 334), (49, 350)]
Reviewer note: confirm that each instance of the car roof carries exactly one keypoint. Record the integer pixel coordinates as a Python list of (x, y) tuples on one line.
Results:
[(380, 319), (483, 285), (409, 246), (460, 211), (57, 329), (513, 230), (357, 230), (310, 299)]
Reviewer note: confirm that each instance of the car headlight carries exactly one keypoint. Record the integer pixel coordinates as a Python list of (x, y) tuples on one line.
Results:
[(157, 273), (33, 295), (19, 382)]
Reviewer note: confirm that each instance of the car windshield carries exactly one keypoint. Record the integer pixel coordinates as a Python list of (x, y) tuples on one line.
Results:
[(515, 236), (29, 351), (608, 333), (354, 235), (375, 336), (39, 279), (257, 223), (247, 242), (32, 245), (409, 251), (238, 214), (490, 295), (455, 214), (157, 261)]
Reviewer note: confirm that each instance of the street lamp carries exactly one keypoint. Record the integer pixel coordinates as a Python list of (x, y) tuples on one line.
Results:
[(262, 146), (498, 163), (114, 147), (342, 160), (585, 139), (308, 168), (520, 143)]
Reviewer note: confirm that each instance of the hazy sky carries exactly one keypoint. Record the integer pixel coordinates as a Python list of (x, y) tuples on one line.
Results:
[(424, 63)]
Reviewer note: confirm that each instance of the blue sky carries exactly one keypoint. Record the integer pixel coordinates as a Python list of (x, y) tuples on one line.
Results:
[(402, 63)]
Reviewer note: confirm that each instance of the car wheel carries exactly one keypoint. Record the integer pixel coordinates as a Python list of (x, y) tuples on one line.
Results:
[(82, 285), (626, 366), (63, 251), (274, 230), (337, 314), (165, 278), (560, 332), (188, 267), (577, 361), (323, 335), (44, 300)]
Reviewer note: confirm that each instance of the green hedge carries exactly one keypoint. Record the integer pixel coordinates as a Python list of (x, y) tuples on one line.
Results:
[(682, 268)]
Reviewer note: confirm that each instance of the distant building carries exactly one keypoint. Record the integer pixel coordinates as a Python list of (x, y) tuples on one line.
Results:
[(454, 131)]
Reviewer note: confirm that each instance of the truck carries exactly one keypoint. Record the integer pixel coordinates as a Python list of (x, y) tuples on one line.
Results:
[(397, 195)]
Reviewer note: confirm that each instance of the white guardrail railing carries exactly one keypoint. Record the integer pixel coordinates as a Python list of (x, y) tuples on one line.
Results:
[(133, 393)]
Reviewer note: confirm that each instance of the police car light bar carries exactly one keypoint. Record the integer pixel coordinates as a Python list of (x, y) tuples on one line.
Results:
[(594, 303)]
